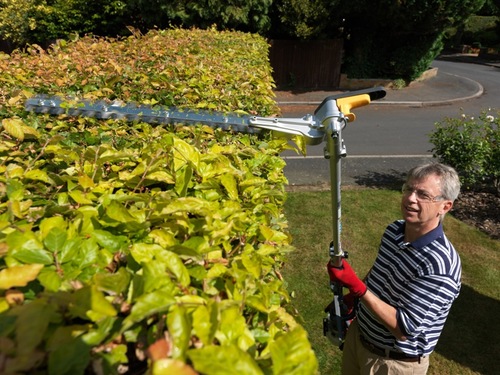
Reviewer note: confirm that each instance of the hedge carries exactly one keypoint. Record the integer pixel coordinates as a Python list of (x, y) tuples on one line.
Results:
[(129, 247)]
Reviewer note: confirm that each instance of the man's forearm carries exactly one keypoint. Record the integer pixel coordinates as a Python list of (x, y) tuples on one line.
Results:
[(384, 312)]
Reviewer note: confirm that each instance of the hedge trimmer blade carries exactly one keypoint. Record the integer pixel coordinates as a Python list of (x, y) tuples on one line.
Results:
[(307, 126), (132, 112)]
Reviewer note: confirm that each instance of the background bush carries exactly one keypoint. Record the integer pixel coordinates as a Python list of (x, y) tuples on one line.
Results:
[(471, 145)]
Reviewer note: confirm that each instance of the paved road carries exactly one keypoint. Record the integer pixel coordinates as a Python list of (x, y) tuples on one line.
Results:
[(388, 138)]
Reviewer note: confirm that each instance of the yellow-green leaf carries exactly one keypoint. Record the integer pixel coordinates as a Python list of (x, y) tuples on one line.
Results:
[(14, 126), (19, 275)]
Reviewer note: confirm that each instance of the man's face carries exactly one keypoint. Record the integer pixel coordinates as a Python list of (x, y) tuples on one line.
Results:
[(422, 204)]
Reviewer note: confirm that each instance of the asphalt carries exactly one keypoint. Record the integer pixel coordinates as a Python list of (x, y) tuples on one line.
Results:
[(440, 88)]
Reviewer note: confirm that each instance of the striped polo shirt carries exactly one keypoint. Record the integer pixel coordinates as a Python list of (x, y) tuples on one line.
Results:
[(421, 280)]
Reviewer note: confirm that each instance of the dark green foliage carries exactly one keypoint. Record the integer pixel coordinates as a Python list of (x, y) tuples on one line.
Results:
[(393, 39), (304, 19), (242, 15), (23, 23)]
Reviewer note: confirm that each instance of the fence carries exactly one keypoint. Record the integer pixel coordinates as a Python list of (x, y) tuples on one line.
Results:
[(306, 64)]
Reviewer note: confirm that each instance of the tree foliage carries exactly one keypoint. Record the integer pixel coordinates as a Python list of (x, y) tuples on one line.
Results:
[(42, 21), (316, 19), (243, 15), (384, 38), (398, 39)]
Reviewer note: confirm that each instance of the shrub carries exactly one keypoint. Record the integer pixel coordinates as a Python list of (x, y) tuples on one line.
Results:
[(134, 247), (471, 145)]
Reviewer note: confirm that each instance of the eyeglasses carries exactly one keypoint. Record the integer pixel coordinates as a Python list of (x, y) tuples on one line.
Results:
[(422, 195)]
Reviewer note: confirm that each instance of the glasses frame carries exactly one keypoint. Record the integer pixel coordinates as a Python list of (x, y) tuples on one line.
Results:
[(421, 195)]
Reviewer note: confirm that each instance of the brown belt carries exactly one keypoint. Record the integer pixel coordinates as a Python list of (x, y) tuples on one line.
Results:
[(398, 356)]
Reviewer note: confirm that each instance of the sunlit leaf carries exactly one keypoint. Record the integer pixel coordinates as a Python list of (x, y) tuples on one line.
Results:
[(292, 354), (19, 275), (149, 304), (14, 126), (168, 366), (229, 183), (224, 360), (179, 328)]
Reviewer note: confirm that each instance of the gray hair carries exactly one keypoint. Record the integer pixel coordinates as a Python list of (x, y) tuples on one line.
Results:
[(450, 182)]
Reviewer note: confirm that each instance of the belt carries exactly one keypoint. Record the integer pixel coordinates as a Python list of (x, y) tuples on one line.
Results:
[(398, 356)]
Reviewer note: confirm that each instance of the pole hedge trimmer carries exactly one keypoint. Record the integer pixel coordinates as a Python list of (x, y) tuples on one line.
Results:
[(327, 123)]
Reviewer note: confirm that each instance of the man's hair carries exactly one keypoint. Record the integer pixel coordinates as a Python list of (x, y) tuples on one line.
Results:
[(450, 182)]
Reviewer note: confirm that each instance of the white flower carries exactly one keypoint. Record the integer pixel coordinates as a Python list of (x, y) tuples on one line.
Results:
[(490, 118)]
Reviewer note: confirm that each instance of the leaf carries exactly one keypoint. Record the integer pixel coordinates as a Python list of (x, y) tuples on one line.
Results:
[(26, 248), (91, 303), (184, 153), (179, 328), (19, 275), (175, 266), (149, 304), (68, 353), (114, 283), (38, 175), (233, 329), (161, 176), (49, 223), (69, 250), (252, 262), (182, 180), (190, 204), (14, 127), (55, 239), (143, 253), (99, 331), (119, 213), (80, 197), (205, 322), (109, 241), (224, 360), (32, 323), (15, 189), (292, 354), (168, 366), (50, 279), (155, 276), (229, 183), (85, 182)]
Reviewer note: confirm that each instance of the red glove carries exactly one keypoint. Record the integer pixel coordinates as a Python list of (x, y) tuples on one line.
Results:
[(349, 300), (346, 276)]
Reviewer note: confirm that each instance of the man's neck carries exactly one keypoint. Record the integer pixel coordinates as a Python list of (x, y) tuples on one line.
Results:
[(414, 231)]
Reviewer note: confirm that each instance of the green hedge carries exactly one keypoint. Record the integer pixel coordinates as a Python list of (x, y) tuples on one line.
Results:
[(128, 246)]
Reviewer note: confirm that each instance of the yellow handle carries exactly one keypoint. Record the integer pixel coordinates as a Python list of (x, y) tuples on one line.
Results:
[(346, 104)]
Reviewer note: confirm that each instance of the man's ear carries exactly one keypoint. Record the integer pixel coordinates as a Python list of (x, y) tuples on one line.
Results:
[(446, 207)]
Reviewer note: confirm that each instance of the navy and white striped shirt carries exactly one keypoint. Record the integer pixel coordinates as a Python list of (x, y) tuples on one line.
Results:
[(421, 280)]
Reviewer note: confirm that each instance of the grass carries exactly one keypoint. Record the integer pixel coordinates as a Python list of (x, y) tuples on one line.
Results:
[(470, 341)]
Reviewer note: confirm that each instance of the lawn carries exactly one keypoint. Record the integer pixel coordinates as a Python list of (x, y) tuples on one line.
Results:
[(469, 343)]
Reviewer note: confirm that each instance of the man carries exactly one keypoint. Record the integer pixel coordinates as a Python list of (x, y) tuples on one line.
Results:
[(407, 295)]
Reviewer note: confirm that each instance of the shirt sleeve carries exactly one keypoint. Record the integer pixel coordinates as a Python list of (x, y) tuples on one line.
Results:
[(425, 303)]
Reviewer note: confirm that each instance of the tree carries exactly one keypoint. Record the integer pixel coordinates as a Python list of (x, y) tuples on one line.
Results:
[(41, 21), (242, 15), (398, 39), (305, 19)]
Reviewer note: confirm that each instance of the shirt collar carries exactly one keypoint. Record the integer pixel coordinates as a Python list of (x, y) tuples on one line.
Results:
[(423, 241)]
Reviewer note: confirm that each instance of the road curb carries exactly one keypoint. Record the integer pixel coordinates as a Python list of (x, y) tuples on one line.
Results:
[(477, 89)]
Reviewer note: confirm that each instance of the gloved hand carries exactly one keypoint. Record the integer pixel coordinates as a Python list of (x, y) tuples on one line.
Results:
[(349, 301), (346, 276)]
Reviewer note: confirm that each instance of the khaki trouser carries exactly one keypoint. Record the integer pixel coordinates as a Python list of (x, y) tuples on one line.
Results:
[(359, 360)]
